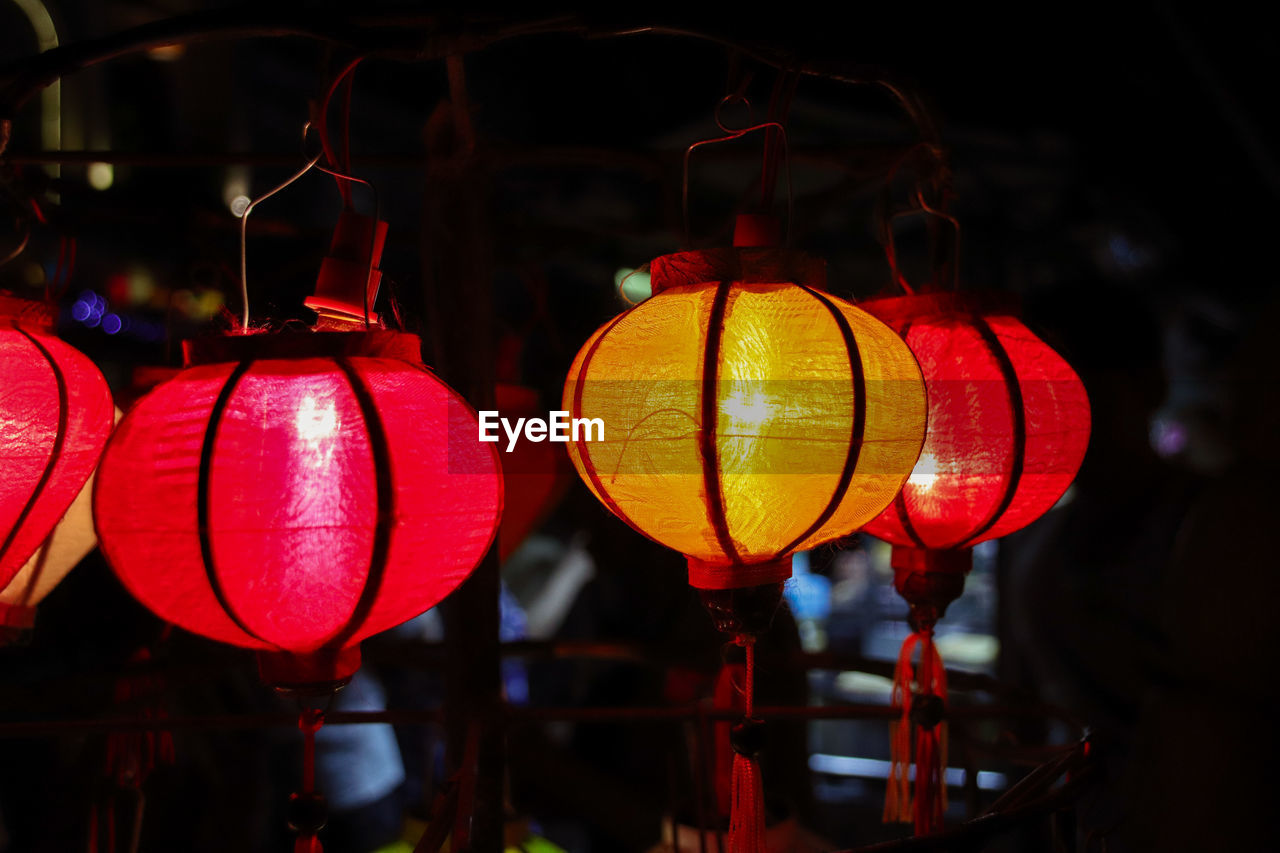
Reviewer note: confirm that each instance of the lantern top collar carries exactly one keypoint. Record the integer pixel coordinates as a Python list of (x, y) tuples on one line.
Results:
[(288, 344), (744, 265), (27, 313), (894, 310)]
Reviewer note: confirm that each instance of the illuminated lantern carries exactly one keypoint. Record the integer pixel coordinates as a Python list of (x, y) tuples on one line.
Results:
[(746, 414), (294, 493), (55, 416), (1008, 428)]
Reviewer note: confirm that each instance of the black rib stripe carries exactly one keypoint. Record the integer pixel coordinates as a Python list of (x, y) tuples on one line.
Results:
[(59, 439), (386, 505), (858, 432), (584, 446), (202, 497), (900, 500), (1019, 428), (900, 505), (710, 416)]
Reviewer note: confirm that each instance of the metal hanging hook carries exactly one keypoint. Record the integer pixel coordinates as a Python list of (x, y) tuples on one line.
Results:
[(377, 217), (312, 163), (730, 135), (244, 229), (887, 216)]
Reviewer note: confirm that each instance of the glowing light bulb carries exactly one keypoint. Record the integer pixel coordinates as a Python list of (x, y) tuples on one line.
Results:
[(748, 410), (925, 473), (315, 422)]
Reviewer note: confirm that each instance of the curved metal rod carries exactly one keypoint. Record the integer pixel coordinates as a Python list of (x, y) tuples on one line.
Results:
[(244, 228), (955, 225), (730, 135)]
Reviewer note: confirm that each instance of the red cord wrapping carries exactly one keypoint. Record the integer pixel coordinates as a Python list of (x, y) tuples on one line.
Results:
[(746, 816), (310, 721)]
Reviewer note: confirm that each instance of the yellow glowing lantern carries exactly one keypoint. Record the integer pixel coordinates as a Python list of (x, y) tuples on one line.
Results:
[(746, 413)]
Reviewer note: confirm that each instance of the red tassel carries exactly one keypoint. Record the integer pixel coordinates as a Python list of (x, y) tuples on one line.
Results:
[(746, 823), (726, 698), (746, 815), (931, 742), (307, 844), (926, 809)]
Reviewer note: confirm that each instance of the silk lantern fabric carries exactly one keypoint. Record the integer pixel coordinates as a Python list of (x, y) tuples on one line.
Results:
[(1008, 423), (295, 493), (55, 416), (747, 413)]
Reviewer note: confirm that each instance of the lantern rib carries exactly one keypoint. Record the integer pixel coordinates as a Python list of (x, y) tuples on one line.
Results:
[(583, 446), (1010, 374), (859, 426), (202, 499), (900, 500), (380, 448), (710, 411), (54, 452)]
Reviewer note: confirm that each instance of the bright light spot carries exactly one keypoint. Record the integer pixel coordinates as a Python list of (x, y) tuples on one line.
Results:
[(80, 311), (208, 303), (748, 409), (878, 768), (316, 423), (167, 52), (111, 324), (33, 273), (235, 189), (634, 285), (1169, 436), (925, 473), (100, 175), (140, 285)]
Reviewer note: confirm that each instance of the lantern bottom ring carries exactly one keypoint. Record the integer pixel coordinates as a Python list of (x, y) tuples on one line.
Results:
[(704, 575), (320, 672)]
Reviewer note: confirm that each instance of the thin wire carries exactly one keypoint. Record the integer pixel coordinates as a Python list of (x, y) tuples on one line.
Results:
[(20, 248), (730, 135), (779, 107), (322, 121), (244, 228), (955, 224), (886, 218)]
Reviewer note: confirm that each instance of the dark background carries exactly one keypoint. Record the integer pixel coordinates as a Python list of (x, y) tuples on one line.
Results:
[(1114, 165)]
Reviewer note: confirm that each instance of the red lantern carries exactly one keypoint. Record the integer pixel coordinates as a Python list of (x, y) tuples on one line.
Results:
[(55, 416), (1008, 428), (295, 493)]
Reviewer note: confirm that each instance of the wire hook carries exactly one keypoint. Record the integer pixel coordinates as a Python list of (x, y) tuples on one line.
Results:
[(244, 229), (730, 135)]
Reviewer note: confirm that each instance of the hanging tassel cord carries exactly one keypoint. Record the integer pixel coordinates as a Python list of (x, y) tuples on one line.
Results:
[(923, 713), (928, 716), (747, 817), (897, 800), (308, 810)]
